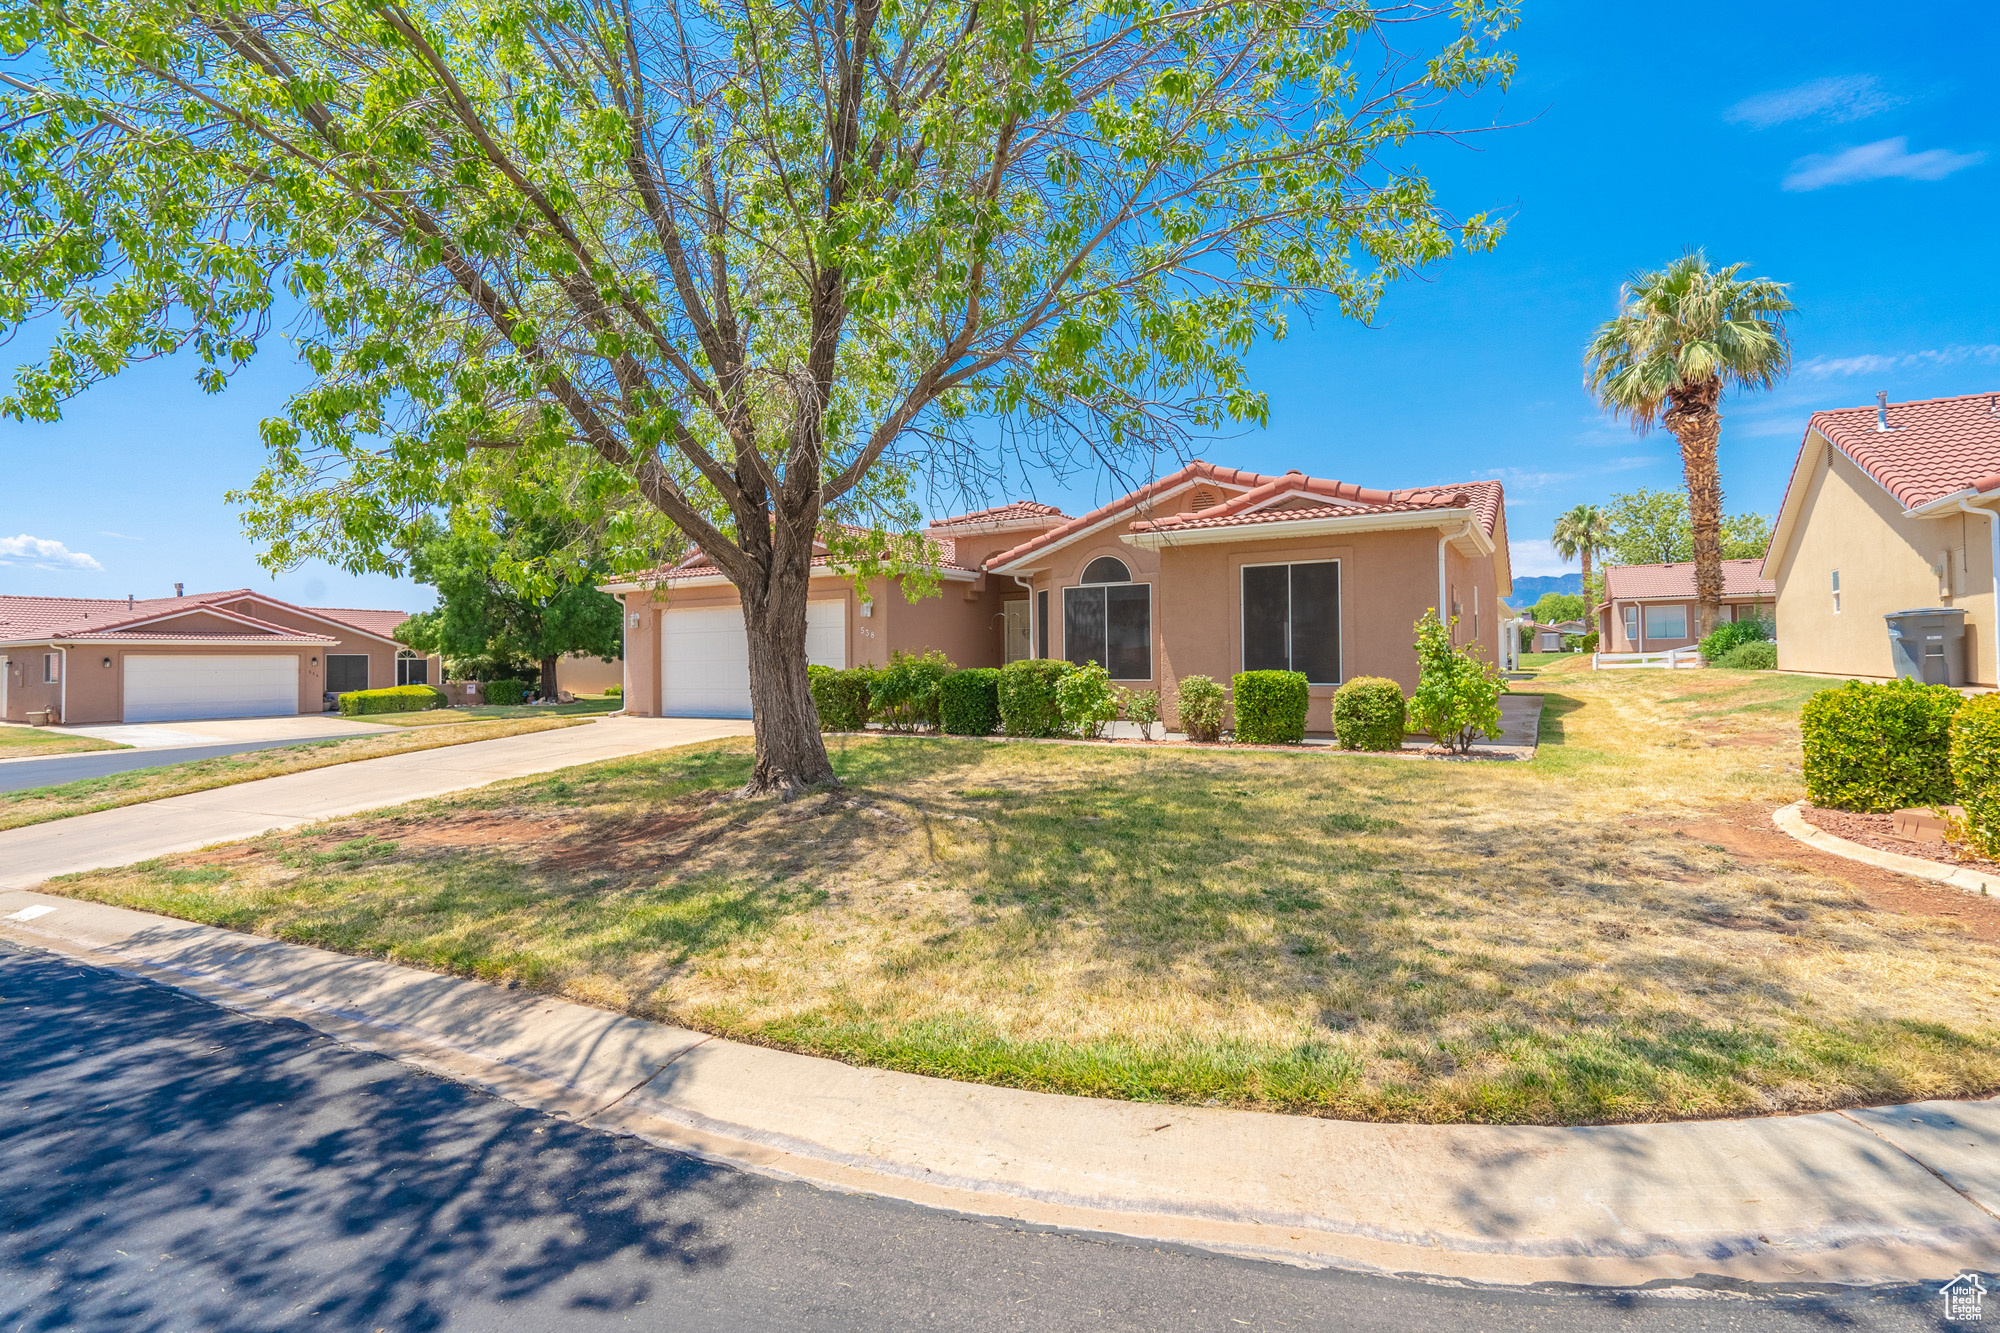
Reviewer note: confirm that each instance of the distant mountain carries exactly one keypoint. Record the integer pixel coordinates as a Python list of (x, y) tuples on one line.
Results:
[(1528, 591)]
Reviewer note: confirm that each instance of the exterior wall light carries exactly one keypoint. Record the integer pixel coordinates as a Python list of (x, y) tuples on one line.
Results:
[(107, 663)]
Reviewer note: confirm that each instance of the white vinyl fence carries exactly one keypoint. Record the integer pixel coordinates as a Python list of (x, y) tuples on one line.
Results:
[(1670, 660)]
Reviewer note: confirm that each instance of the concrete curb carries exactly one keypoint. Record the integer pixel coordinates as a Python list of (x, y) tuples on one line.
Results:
[(1791, 821), (1891, 1194)]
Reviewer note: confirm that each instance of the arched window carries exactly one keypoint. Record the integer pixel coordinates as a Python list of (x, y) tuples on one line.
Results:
[(1109, 619), (411, 669), (1106, 569)]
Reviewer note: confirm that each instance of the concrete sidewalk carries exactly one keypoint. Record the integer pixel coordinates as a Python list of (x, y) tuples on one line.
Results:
[(1891, 1194), (224, 814)]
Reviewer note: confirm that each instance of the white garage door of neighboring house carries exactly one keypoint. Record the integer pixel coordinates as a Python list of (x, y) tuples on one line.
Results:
[(183, 689), (705, 658)]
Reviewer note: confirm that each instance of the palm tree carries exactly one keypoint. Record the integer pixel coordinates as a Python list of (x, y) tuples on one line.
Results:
[(1682, 336), (1583, 531)]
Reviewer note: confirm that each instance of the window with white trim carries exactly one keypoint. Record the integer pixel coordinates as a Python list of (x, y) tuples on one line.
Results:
[(1666, 622), (1631, 624), (1109, 620), (51, 668), (1291, 619), (1836, 592), (411, 669)]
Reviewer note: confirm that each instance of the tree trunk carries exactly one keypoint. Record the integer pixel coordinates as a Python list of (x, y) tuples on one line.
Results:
[(1589, 602), (1696, 423), (549, 690), (790, 754)]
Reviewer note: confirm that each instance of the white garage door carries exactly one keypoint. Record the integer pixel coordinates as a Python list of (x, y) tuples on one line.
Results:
[(705, 657), (182, 689)]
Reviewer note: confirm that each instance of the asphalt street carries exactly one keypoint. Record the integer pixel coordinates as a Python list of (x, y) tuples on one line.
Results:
[(49, 770), (169, 1165)]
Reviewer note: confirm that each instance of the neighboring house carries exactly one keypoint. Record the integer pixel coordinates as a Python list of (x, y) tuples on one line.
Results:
[(1549, 638), (1890, 508), (1210, 571), (1652, 608), (209, 655)]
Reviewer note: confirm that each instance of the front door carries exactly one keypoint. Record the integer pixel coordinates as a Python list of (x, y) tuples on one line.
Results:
[(1020, 643)]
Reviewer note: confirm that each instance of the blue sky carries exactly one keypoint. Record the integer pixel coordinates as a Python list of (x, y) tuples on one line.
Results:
[(1850, 152)]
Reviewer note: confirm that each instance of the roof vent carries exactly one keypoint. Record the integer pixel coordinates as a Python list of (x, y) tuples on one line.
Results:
[(177, 590), (1203, 498), (128, 601), (1881, 409)]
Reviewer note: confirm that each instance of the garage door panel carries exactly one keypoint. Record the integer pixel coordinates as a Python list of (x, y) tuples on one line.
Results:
[(705, 656), (163, 688)]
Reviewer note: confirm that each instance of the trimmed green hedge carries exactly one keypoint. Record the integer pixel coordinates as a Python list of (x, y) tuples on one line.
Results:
[(1975, 771), (1027, 697), (1876, 748), (394, 699), (842, 697), (505, 691), (1757, 655), (969, 702), (1368, 714), (1270, 707)]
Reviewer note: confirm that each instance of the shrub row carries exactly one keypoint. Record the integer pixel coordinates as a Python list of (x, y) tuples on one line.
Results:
[(1730, 635), (1877, 748), (1975, 772), (394, 699)]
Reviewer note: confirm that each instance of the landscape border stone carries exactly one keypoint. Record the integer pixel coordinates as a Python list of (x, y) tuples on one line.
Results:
[(1791, 821)]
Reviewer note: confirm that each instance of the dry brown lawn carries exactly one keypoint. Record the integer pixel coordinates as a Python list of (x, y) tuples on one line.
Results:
[(1612, 932)]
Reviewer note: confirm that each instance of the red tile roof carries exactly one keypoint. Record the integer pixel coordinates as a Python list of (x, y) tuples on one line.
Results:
[(199, 636), (1482, 497), (1739, 579), (380, 623), (97, 617), (1933, 447), (1197, 470), (1008, 513)]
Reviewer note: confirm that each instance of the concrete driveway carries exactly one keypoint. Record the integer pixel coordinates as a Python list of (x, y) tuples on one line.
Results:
[(181, 823), (225, 731)]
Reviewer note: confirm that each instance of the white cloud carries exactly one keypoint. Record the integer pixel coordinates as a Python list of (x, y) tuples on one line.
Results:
[(1532, 556), (1841, 99), (121, 536), (1844, 367), (1884, 159), (41, 553)]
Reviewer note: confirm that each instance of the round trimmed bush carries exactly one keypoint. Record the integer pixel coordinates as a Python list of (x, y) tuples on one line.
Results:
[(969, 702), (505, 691), (1877, 748), (1200, 704), (841, 697), (1270, 707), (1368, 714)]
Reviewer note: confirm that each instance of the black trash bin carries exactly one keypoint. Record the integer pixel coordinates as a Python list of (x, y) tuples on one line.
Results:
[(1928, 644)]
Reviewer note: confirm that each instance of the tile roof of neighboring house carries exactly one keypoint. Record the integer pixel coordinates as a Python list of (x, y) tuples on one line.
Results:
[(99, 617), (1007, 513), (1739, 579), (1933, 447), (279, 635), (380, 623), (1482, 497)]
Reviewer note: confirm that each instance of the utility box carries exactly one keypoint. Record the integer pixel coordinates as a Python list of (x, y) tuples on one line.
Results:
[(1928, 644)]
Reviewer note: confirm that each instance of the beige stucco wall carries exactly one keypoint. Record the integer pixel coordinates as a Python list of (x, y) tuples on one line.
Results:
[(1848, 522)]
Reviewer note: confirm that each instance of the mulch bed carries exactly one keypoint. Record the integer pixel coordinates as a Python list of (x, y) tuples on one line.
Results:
[(1874, 831)]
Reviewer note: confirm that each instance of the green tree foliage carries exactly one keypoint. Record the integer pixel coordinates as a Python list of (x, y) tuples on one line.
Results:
[(1580, 534), (482, 612), (1684, 335), (1552, 608), (747, 265), (1458, 695), (1650, 527)]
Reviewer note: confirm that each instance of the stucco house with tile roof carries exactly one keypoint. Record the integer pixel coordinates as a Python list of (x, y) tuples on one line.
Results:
[(1652, 608), (1889, 508), (1208, 570), (236, 653)]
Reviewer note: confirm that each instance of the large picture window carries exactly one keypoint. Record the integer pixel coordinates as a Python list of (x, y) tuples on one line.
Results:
[(346, 671), (1291, 619), (1110, 620), (1666, 622)]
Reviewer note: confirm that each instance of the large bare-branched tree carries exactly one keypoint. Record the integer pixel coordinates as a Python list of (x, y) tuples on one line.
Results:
[(753, 264)]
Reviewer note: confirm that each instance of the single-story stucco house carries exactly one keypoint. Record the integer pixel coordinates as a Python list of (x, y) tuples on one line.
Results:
[(1890, 508), (1652, 608), (1549, 638), (1210, 570), (207, 655)]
